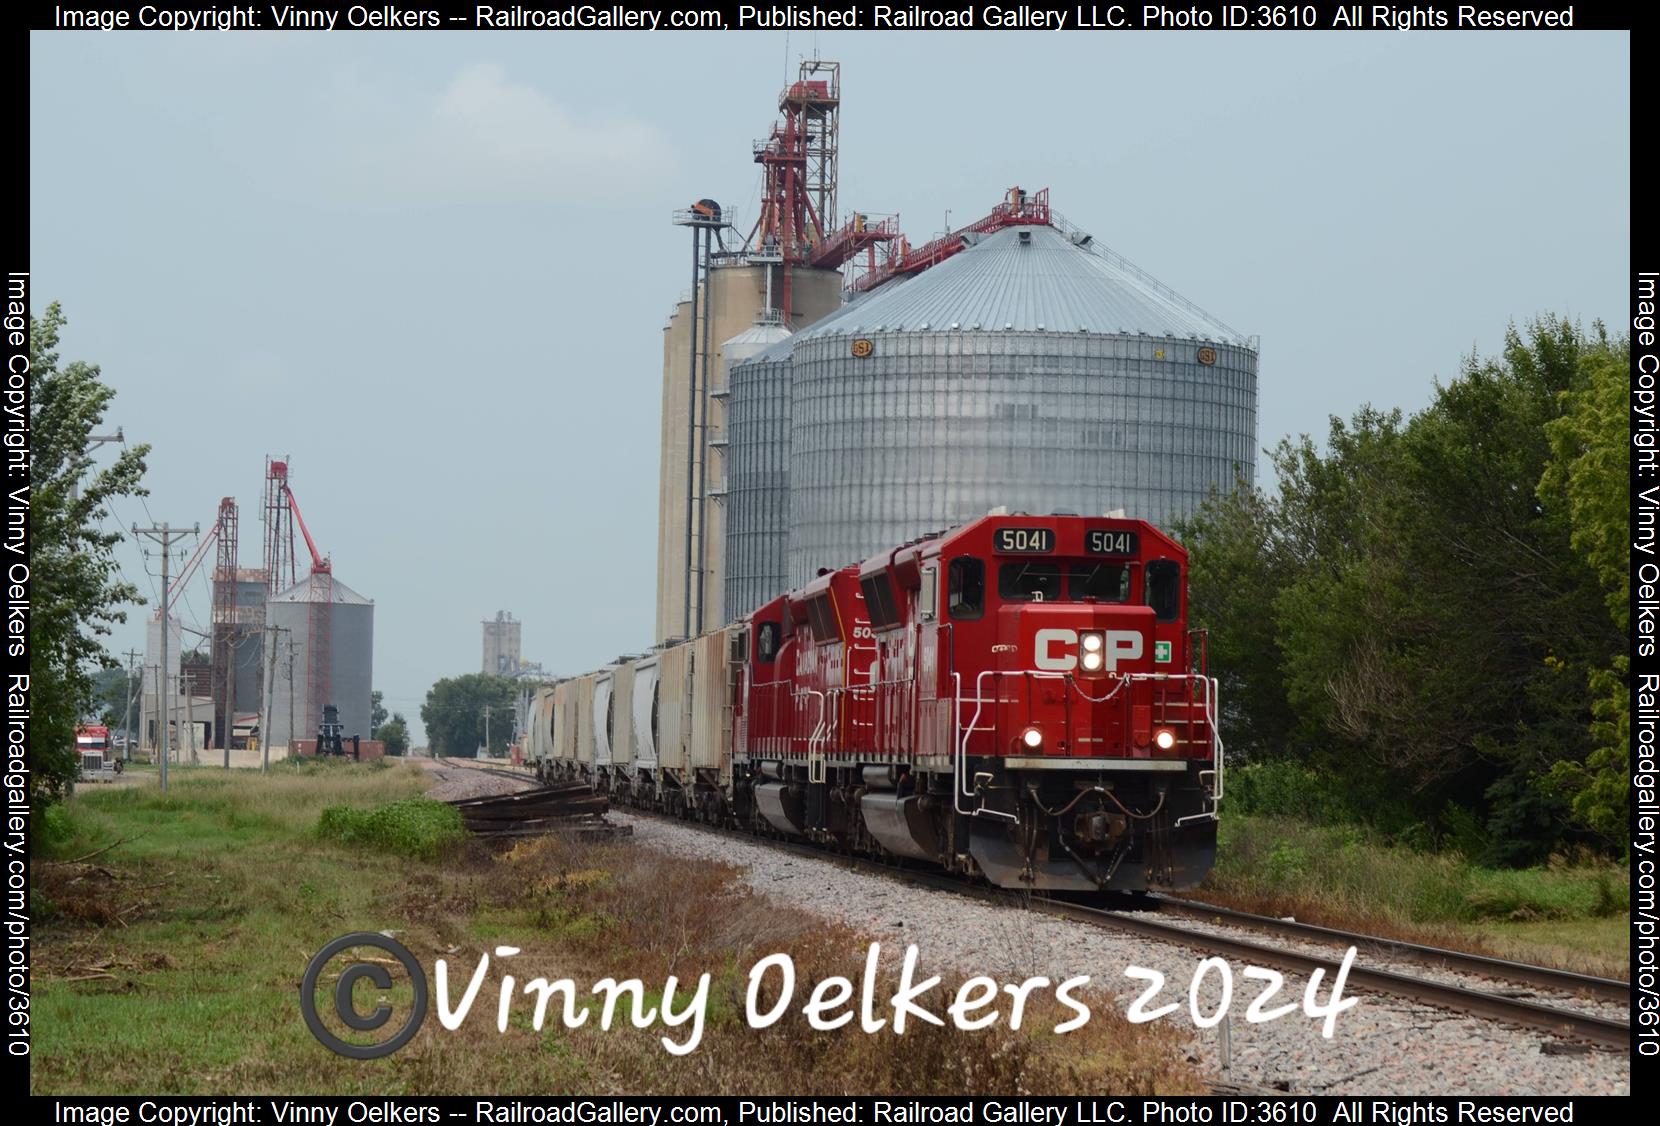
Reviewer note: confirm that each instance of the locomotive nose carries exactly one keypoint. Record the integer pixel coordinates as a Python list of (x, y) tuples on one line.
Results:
[(1078, 638)]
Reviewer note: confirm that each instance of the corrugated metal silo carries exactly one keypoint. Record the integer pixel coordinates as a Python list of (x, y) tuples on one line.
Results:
[(758, 474), (1030, 370), (288, 618), (757, 477)]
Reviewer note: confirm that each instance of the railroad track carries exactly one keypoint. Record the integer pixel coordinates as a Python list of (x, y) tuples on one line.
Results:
[(1520, 1011), (1396, 950)]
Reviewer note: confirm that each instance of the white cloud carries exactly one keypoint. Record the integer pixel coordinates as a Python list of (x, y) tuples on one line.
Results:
[(486, 136)]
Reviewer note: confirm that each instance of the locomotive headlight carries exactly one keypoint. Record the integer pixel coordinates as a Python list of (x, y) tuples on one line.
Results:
[(1093, 644), (1165, 738), (1032, 737)]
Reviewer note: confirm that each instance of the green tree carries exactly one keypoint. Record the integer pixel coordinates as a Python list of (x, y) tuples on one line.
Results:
[(1439, 633), (1589, 475), (1237, 567), (377, 714), (75, 586), (1420, 605), (394, 733), (454, 713)]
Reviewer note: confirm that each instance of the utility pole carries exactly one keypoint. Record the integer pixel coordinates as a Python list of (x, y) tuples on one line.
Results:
[(486, 730), (127, 716), (703, 430), (230, 693), (189, 718), (290, 673), (265, 711), (165, 534)]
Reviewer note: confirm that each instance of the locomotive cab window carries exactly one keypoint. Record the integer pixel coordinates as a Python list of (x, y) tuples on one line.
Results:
[(1029, 582), (823, 619), (1100, 582), (1164, 589), (879, 601), (966, 581), (766, 642)]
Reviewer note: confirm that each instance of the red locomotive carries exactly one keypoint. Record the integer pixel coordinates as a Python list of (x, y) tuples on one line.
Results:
[(1020, 698)]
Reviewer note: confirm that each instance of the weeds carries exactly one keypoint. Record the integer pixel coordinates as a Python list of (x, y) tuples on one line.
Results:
[(1351, 877), (418, 827)]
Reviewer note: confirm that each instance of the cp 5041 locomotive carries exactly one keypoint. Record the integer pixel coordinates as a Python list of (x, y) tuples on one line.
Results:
[(1019, 699)]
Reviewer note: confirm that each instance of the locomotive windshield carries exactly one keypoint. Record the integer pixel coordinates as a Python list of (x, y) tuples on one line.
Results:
[(1085, 582), (1029, 582), (1100, 582)]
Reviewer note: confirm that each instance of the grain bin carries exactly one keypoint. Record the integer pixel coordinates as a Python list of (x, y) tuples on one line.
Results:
[(1031, 370), (290, 618)]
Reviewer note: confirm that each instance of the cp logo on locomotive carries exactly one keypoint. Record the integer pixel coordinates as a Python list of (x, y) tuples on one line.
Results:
[(1122, 645)]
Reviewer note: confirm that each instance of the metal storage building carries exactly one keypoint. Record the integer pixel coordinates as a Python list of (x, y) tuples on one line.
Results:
[(288, 618)]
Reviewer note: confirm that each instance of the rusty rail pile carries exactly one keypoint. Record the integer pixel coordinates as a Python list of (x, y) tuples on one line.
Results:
[(568, 808)]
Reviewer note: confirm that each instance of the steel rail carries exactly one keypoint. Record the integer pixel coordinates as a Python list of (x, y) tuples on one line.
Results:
[(1565, 981)]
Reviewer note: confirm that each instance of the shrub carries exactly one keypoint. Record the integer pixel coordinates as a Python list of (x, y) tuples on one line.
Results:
[(54, 827), (417, 827)]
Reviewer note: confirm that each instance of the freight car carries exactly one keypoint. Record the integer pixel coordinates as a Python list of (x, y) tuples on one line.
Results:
[(1019, 699)]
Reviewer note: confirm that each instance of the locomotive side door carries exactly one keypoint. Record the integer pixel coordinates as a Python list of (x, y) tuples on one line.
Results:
[(935, 697)]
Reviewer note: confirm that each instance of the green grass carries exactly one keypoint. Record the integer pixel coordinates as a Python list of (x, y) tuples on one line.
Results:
[(178, 951), (1563, 913)]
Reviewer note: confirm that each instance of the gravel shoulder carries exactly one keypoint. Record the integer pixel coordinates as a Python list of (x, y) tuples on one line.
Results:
[(1382, 1045)]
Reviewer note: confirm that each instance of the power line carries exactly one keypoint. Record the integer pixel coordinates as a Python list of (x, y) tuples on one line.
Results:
[(164, 535)]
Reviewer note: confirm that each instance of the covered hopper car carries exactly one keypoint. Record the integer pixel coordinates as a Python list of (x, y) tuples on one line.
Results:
[(1019, 699)]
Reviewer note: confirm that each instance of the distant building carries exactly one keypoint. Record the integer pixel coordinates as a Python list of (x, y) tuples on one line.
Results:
[(501, 646)]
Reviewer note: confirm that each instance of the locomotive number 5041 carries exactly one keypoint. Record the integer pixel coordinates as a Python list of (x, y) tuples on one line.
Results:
[(1105, 541), (1024, 541)]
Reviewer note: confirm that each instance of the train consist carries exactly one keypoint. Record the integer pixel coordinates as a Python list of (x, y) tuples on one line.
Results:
[(1019, 699)]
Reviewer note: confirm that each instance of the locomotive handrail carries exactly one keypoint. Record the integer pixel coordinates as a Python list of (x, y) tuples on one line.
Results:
[(1213, 689), (812, 740), (961, 767)]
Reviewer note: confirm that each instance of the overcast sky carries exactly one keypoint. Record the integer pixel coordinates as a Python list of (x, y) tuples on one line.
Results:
[(434, 268)]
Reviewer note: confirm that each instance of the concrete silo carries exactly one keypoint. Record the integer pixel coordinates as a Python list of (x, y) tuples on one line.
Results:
[(319, 625), (733, 301)]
